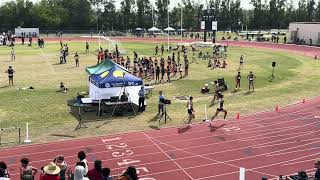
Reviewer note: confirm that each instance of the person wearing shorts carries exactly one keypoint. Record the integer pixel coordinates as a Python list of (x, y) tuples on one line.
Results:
[(220, 108), (241, 62), (251, 79), (238, 79), (10, 72), (76, 57), (190, 110)]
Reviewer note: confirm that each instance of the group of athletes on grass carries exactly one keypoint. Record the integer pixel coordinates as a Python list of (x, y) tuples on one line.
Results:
[(220, 97)]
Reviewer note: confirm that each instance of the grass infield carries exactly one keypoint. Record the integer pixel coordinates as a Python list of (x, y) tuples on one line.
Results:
[(48, 114)]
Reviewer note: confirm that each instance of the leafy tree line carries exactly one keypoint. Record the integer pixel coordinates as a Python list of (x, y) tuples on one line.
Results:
[(103, 14)]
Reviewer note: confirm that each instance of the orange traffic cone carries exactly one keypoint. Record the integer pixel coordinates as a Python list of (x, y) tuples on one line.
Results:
[(303, 100), (238, 116), (277, 108)]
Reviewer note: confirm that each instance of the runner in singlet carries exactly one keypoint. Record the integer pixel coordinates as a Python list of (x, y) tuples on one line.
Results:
[(238, 79), (251, 79), (219, 109), (190, 110)]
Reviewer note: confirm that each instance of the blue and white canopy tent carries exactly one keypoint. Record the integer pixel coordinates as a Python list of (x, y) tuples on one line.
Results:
[(113, 82)]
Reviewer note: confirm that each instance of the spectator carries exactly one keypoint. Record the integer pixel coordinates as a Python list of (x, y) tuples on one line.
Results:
[(62, 165), (10, 72), (3, 174), (161, 103), (317, 174), (77, 57), (27, 172), (62, 88), (13, 54), (51, 172), (141, 99), (96, 172), (79, 173), (130, 174), (3, 166), (106, 174), (82, 158)]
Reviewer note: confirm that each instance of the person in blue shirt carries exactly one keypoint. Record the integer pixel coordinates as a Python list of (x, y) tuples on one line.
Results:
[(317, 174), (161, 103), (142, 94)]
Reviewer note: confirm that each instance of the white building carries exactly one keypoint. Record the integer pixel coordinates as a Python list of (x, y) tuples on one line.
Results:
[(307, 31)]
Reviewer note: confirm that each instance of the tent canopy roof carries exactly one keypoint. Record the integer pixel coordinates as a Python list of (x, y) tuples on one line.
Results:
[(153, 29), (169, 29), (115, 77), (105, 65)]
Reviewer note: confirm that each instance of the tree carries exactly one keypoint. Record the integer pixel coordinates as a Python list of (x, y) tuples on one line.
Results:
[(311, 10), (162, 13), (108, 15), (317, 13), (144, 14), (127, 14)]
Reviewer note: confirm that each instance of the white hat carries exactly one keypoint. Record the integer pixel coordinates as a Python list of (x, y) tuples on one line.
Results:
[(52, 169)]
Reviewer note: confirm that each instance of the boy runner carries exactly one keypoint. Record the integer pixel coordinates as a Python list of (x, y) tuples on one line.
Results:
[(220, 108), (190, 111)]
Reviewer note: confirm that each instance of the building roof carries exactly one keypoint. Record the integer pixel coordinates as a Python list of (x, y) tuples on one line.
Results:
[(305, 23)]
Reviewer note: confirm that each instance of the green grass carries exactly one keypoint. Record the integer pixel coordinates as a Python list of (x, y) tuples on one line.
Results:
[(47, 112)]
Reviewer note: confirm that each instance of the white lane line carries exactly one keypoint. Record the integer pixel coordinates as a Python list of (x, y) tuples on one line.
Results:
[(172, 160), (202, 156), (46, 58)]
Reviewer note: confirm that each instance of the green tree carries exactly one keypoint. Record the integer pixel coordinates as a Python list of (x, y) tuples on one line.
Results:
[(144, 14), (311, 10), (162, 13), (317, 13)]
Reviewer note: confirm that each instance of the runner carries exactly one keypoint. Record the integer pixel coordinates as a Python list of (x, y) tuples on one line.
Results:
[(251, 79), (190, 111), (219, 109), (238, 79)]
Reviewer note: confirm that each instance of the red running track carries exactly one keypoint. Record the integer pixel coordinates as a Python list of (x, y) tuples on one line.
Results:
[(266, 144)]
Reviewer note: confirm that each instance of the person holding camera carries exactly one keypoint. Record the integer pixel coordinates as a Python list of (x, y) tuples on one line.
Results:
[(220, 108), (161, 103)]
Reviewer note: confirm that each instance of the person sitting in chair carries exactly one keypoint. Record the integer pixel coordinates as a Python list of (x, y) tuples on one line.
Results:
[(62, 88), (124, 97)]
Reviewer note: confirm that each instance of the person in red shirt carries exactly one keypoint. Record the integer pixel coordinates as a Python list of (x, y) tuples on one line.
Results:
[(96, 172), (51, 172)]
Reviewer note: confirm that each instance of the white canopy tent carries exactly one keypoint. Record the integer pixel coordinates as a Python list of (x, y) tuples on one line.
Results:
[(139, 29), (169, 29), (154, 29)]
